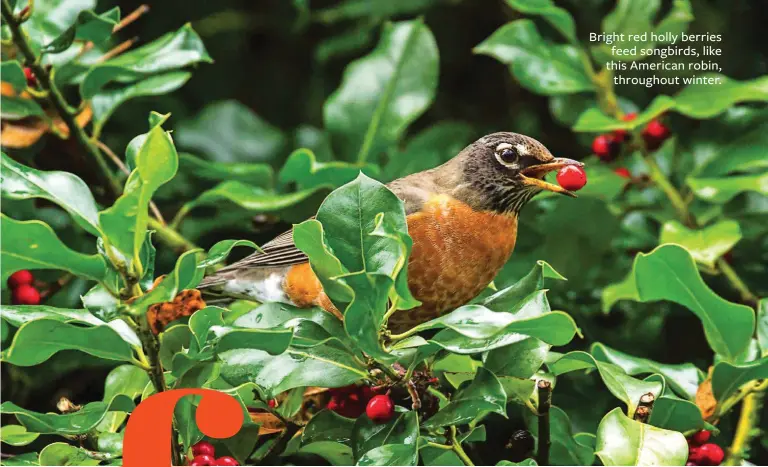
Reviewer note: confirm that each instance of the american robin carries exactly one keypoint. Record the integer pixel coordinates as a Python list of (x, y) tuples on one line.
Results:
[(462, 217)]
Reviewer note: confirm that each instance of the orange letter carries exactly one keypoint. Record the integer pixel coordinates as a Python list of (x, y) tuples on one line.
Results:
[(147, 441)]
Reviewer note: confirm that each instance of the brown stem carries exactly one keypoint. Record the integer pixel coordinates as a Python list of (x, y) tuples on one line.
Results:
[(544, 389), (644, 408), (118, 49), (133, 16)]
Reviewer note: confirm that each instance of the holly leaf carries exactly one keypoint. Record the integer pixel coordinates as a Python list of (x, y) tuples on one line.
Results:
[(623, 441), (540, 67), (483, 395), (669, 273), (34, 245), (402, 74)]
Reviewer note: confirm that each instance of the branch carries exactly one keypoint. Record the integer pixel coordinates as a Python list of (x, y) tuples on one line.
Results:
[(644, 408), (747, 428), (456, 446), (57, 99), (165, 234), (544, 389)]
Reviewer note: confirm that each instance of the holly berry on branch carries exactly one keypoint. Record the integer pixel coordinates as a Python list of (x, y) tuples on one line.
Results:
[(607, 147), (380, 408), (23, 292), (205, 454), (700, 452)]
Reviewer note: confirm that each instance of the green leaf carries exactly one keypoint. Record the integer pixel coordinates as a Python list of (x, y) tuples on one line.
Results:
[(762, 325), (728, 377), (526, 462), (20, 314), (391, 454), (367, 434), (63, 188), (722, 190), (623, 441), (37, 341), (669, 273), (222, 249), (624, 387), (672, 413), (558, 17), (677, 20), (683, 378), (89, 27), (322, 365), (353, 9), (12, 73), (228, 131), (65, 454), (302, 168), (401, 75), (125, 222), (17, 435), (334, 453), (539, 67), (254, 199), (510, 297), (484, 394), (106, 102), (473, 328), (428, 149), (310, 326), (700, 101), (705, 245), (34, 245), (310, 237), (628, 17), (565, 448), (327, 425), (17, 108), (127, 380), (28, 458), (75, 423), (273, 341), (259, 175), (170, 52)]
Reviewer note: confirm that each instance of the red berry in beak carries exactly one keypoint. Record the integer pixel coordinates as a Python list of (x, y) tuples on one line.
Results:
[(572, 177)]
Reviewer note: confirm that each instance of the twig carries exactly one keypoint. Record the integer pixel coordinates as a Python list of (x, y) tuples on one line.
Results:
[(544, 389), (415, 399), (57, 99), (746, 429), (131, 17), (644, 408), (456, 445), (123, 168), (117, 50)]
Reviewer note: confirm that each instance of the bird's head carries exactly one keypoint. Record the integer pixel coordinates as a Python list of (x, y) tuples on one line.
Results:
[(505, 170)]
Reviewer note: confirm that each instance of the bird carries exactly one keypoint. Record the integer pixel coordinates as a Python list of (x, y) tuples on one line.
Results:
[(461, 215)]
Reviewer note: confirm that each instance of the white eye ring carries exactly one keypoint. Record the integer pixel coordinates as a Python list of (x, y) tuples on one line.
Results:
[(499, 150)]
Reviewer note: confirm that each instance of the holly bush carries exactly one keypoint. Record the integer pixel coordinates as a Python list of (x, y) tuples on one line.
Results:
[(663, 335)]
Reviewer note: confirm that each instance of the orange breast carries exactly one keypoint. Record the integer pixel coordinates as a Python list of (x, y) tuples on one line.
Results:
[(456, 253)]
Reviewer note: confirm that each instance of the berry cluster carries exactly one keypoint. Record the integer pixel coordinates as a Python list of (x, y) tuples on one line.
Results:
[(23, 291), (203, 453), (700, 452), (608, 146), (351, 401)]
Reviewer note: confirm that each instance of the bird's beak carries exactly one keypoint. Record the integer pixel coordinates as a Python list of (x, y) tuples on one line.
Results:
[(534, 175)]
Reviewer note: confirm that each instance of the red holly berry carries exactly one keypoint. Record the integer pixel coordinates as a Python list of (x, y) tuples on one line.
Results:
[(654, 134), (712, 454), (606, 147), (700, 437), (23, 277), (691, 463), (203, 448), (695, 455), (380, 409), (25, 294), (572, 177), (343, 391), (203, 459), (30, 75), (622, 172), (226, 460), (272, 403)]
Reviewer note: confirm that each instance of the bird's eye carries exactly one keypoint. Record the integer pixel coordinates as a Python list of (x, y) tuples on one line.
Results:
[(508, 155)]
